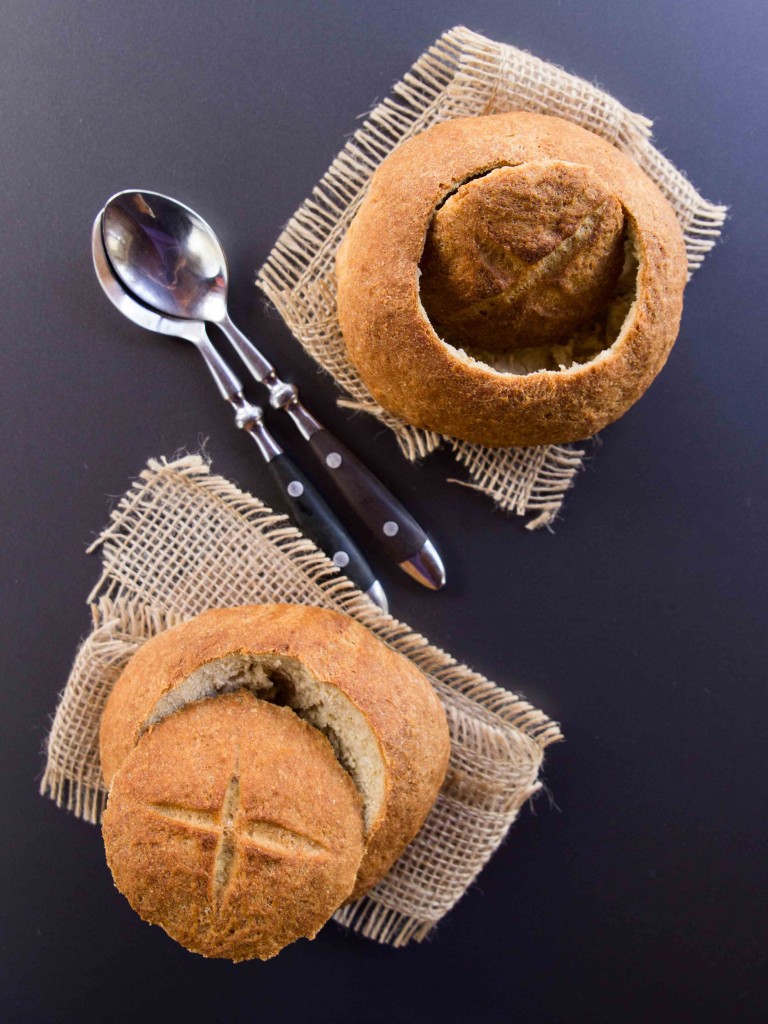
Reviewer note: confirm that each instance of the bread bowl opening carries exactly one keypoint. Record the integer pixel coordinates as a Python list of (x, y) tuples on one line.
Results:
[(285, 681), (529, 268)]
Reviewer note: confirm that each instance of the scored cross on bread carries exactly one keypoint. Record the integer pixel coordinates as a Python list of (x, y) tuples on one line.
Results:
[(233, 826), (232, 830)]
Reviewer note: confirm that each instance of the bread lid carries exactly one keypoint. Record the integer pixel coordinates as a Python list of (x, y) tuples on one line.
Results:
[(232, 826)]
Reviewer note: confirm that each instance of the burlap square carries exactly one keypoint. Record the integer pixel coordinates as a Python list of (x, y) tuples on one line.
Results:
[(182, 541), (462, 75)]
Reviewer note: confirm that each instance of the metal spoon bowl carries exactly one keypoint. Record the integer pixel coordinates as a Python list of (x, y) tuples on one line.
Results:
[(129, 306), (167, 255)]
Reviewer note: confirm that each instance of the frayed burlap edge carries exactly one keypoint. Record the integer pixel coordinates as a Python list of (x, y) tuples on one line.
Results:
[(489, 726), (462, 75)]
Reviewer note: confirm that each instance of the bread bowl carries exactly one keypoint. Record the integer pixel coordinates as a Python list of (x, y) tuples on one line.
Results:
[(444, 184), (381, 715)]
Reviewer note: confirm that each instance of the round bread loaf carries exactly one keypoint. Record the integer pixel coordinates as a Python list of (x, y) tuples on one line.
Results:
[(510, 279), (233, 827), (380, 714)]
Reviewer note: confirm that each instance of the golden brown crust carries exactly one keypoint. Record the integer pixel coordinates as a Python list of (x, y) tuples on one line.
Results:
[(232, 826), (522, 256), (397, 352), (395, 698)]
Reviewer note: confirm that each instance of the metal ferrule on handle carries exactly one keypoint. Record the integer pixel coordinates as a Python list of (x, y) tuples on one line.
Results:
[(282, 395)]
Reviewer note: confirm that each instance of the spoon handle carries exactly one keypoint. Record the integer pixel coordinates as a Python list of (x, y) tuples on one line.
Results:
[(306, 505), (316, 521), (391, 526), (308, 508)]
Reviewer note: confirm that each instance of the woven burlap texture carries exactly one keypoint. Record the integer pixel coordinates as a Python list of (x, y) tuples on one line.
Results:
[(183, 540), (462, 75)]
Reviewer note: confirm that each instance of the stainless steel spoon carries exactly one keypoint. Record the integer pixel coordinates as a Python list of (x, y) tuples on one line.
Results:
[(304, 501), (171, 260)]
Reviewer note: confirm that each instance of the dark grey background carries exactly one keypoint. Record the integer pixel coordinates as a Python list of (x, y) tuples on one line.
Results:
[(637, 891)]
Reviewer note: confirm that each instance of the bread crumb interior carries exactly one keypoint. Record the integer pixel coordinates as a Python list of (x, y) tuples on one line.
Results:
[(285, 681)]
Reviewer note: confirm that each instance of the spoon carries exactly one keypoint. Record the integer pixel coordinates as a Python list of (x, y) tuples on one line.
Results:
[(307, 506), (171, 260)]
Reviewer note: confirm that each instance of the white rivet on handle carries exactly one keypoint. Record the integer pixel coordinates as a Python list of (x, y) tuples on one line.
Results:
[(390, 528), (341, 558), (295, 489), (333, 459)]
